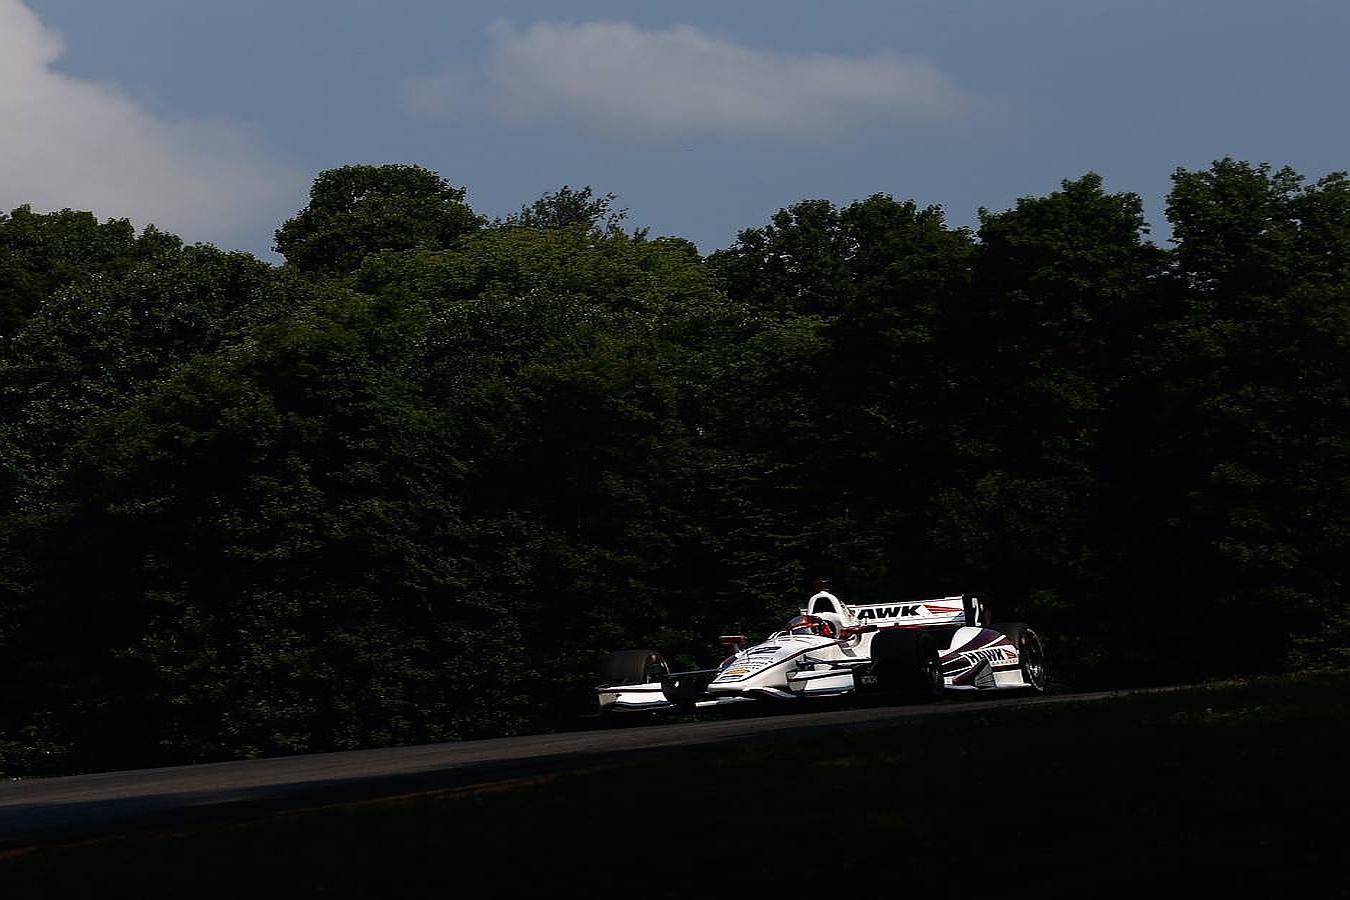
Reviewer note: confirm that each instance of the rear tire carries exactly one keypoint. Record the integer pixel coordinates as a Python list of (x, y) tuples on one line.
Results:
[(906, 665), (634, 667), (1030, 653)]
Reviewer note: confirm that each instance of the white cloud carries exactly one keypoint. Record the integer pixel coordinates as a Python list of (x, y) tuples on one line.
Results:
[(70, 142), (619, 77)]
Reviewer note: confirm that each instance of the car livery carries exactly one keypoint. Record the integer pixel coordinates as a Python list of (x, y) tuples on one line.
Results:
[(913, 650)]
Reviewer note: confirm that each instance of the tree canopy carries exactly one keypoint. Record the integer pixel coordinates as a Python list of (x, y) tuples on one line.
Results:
[(354, 211), (412, 484)]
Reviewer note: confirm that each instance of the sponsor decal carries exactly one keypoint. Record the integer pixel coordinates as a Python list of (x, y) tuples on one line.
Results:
[(904, 611), (962, 662), (989, 654), (890, 612), (744, 669), (755, 664)]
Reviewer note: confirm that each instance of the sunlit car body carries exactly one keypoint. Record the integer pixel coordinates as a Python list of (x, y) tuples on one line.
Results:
[(912, 650)]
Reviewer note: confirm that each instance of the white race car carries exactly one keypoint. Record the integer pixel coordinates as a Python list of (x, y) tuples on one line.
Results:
[(912, 651)]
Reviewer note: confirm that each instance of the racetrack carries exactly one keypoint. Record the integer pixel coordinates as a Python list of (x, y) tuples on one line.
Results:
[(78, 807)]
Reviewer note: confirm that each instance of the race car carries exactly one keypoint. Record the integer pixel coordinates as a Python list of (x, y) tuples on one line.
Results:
[(912, 651)]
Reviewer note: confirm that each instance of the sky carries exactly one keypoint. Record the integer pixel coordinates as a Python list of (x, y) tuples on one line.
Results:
[(211, 118)]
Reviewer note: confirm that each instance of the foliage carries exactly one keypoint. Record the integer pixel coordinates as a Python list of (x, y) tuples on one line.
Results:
[(413, 484), (41, 253), (570, 208), (357, 210)]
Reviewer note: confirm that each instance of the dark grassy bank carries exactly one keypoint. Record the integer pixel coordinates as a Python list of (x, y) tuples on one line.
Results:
[(1237, 789)]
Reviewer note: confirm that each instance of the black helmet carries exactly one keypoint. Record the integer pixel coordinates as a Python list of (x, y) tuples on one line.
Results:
[(811, 625)]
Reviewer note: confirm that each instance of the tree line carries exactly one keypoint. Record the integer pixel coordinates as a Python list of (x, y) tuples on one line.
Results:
[(412, 484)]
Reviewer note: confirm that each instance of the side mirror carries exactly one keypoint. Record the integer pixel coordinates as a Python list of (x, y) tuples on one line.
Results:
[(734, 640), (855, 630)]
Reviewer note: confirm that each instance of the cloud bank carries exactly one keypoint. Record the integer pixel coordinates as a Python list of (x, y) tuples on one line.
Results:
[(69, 142), (681, 80)]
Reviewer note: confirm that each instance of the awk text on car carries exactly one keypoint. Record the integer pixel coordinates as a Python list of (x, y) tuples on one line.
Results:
[(912, 651)]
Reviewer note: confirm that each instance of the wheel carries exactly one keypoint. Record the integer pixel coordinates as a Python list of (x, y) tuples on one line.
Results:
[(686, 690), (634, 667), (1030, 653), (906, 663)]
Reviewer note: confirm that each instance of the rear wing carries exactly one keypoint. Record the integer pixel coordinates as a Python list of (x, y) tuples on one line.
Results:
[(962, 609)]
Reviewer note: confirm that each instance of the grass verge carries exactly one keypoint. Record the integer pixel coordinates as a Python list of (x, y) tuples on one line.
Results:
[(1237, 789)]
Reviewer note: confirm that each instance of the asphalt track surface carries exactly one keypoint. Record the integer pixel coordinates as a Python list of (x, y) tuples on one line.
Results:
[(82, 807)]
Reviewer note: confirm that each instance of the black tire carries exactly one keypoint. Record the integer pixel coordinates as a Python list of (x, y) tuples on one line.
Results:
[(1030, 653), (634, 667), (686, 690), (906, 665)]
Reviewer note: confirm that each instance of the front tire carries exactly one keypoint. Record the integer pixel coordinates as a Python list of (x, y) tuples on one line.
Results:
[(634, 667), (684, 692)]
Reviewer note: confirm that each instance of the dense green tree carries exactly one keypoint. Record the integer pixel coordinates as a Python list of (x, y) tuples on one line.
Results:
[(1251, 420), (323, 530), (354, 211), (1043, 472), (795, 264), (845, 428), (580, 361), (1063, 285), (271, 558), (40, 253), (413, 484), (568, 208), (93, 345)]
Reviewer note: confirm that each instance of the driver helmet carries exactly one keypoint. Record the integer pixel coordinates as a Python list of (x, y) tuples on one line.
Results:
[(811, 625)]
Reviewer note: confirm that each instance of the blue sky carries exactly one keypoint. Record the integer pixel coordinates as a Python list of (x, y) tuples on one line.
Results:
[(211, 118)]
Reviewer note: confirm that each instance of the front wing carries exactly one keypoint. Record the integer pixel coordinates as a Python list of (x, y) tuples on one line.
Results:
[(690, 689)]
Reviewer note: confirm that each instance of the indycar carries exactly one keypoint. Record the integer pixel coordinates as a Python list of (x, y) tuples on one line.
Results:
[(912, 651)]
